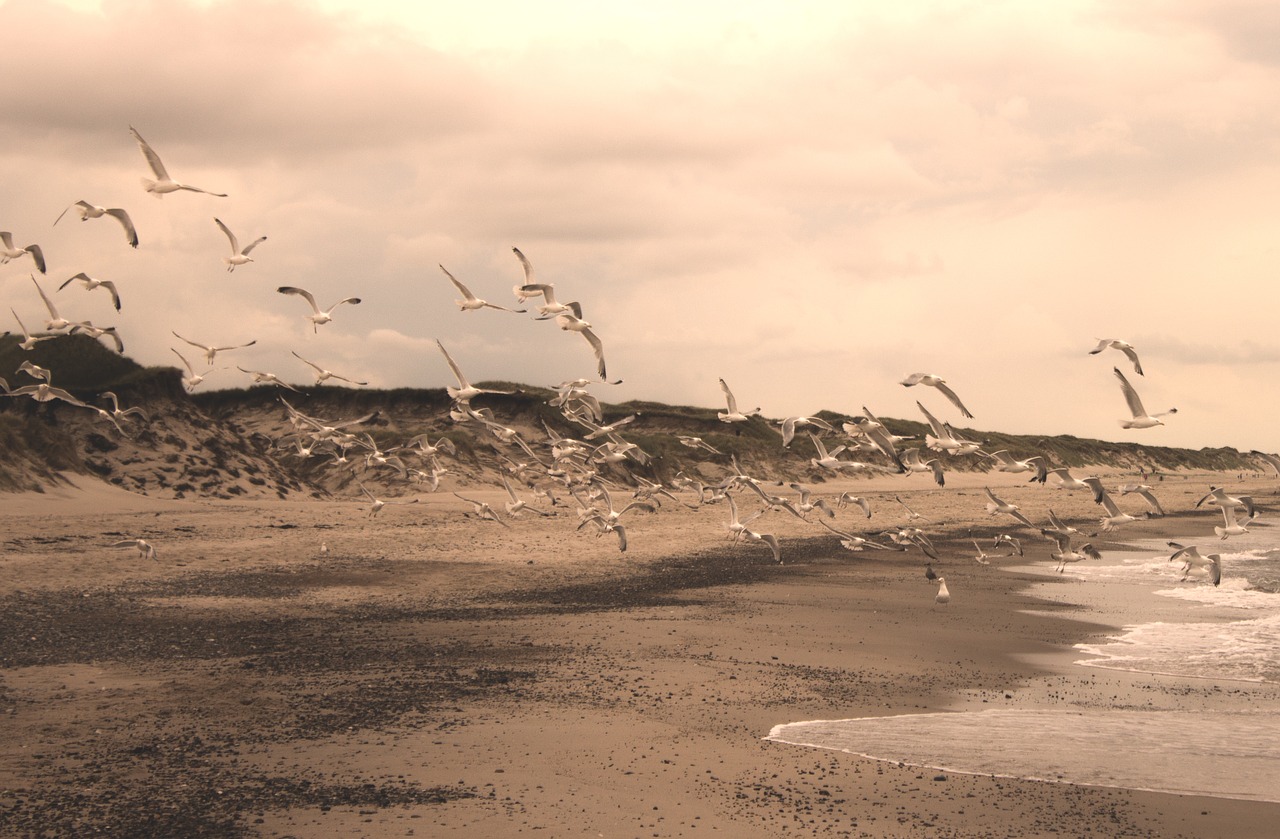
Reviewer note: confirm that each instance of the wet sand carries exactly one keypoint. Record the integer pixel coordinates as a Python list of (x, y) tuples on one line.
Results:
[(430, 675)]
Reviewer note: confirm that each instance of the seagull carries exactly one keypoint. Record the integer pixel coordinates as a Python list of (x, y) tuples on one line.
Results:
[(517, 505), (1230, 527), (1218, 497), (317, 317), (981, 557), (9, 252), (29, 341), (35, 371), (239, 255), (790, 424), (1065, 553), (470, 302), (465, 391), (913, 461), (90, 284), (912, 515), (929, 573), (738, 528), (550, 307), (163, 183), (943, 596), (1145, 492), (870, 427), (853, 543), (211, 352), (1193, 558), (1006, 539), (805, 506), (944, 439), (1066, 480), (144, 548), (481, 510), (192, 381), (118, 414), (88, 211), (573, 322), (526, 290), (697, 443), (1272, 460), (1124, 347), (323, 374), (733, 414), (1114, 517), (87, 327), (1006, 462), (263, 378), (908, 536), (997, 505), (56, 322), (847, 498), (377, 503), (1141, 419), (1057, 527), (941, 385)]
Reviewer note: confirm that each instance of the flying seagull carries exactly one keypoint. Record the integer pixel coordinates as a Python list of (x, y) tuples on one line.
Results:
[(163, 183), (239, 255), (88, 211), (469, 301), (1123, 346), (317, 317), (941, 385), (1141, 419), (91, 283), (9, 251)]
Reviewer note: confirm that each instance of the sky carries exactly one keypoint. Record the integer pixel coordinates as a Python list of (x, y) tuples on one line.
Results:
[(811, 200)]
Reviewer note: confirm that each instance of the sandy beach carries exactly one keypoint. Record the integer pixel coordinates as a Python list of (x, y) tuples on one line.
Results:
[(431, 675)]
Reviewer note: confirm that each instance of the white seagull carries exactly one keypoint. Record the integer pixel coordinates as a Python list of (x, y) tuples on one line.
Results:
[(465, 391), (317, 317), (1145, 492), (1065, 553), (239, 255), (211, 352), (192, 380), (733, 414), (943, 596), (56, 322), (323, 374), (1141, 419), (28, 340), (9, 251), (1231, 527), (469, 301), (88, 211), (144, 548), (941, 385), (163, 183), (913, 461), (1192, 558), (263, 378), (90, 283), (997, 505), (573, 322), (1217, 496), (1123, 346)]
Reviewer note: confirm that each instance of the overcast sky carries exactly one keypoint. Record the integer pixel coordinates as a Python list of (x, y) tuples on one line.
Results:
[(811, 200)]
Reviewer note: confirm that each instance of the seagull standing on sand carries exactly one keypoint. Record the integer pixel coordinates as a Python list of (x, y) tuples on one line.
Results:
[(317, 317), (943, 595), (1123, 346), (9, 251), (163, 183), (239, 255), (88, 211), (941, 385), (90, 284), (1141, 419)]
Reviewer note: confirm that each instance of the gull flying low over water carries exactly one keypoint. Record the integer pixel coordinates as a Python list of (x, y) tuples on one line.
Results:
[(9, 251), (1217, 496), (317, 317), (941, 385), (1123, 346), (1065, 553), (163, 183), (469, 301), (1231, 527), (239, 255), (88, 211), (1192, 558), (1141, 419), (91, 283)]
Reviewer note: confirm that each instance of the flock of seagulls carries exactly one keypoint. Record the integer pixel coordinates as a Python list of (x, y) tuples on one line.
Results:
[(598, 462)]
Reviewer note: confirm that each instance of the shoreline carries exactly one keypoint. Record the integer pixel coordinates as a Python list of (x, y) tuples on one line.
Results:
[(432, 674)]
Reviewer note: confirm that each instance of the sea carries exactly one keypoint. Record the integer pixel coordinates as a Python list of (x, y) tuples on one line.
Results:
[(1202, 715)]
